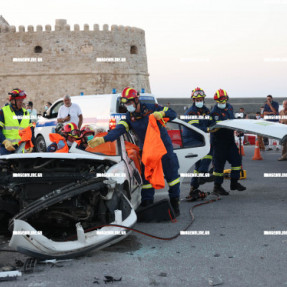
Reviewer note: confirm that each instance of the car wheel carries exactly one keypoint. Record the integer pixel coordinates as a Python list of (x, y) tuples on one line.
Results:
[(41, 144)]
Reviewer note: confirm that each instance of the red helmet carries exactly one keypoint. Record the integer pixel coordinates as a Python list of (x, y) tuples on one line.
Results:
[(72, 130), (221, 96), (128, 94), (198, 93), (17, 94), (87, 131)]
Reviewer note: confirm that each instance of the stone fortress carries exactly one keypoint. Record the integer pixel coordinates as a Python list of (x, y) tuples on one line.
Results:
[(50, 63)]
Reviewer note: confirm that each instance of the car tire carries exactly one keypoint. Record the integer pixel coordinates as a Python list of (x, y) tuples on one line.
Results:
[(41, 144)]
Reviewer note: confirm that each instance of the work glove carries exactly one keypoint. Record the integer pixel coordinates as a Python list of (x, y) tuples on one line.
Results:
[(8, 145), (96, 141), (29, 150), (159, 115), (212, 131)]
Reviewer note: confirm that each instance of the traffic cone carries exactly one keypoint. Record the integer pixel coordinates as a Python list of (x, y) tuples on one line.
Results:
[(257, 155), (242, 150), (240, 147)]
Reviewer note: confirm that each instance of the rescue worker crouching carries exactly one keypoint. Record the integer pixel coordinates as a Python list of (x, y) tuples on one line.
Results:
[(224, 147), (63, 137), (199, 116), (86, 134), (14, 118), (137, 119)]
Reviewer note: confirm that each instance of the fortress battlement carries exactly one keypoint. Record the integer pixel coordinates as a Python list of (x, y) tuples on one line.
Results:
[(49, 62), (61, 25)]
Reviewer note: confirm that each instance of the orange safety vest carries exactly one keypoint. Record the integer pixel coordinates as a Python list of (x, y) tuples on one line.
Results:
[(55, 138), (153, 151)]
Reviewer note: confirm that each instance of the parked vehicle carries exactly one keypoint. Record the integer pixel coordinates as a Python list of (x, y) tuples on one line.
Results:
[(96, 109)]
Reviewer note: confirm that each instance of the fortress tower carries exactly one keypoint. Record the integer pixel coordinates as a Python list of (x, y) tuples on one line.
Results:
[(50, 63)]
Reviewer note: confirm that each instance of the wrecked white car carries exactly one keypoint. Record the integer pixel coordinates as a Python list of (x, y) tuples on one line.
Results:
[(57, 204), (60, 210)]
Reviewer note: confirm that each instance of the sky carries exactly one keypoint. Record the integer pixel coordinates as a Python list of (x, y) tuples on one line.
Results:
[(238, 45)]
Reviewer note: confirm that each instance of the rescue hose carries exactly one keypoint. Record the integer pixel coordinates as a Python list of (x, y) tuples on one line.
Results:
[(154, 236)]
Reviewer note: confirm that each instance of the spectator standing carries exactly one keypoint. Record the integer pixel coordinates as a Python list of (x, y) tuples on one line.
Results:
[(70, 113), (271, 110), (32, 112)]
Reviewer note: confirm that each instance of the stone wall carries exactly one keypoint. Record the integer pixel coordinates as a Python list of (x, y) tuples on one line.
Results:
[(50, 63)]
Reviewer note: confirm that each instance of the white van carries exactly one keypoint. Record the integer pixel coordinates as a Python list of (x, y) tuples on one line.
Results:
[(96, 110)]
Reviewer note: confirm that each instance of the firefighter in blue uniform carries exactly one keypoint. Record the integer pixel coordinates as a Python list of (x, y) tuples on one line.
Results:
[(137, 118), (197, 115), (224, 147)]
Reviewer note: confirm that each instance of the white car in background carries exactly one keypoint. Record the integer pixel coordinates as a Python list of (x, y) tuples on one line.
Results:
[(96, 110)]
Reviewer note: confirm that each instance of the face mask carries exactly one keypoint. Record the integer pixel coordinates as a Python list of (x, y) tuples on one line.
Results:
[(29, 110), (46, 108), (258, 117), (131, 108), (221, 106), (199, 104), (261, 111)]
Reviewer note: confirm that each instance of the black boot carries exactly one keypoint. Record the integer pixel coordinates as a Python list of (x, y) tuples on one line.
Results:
[(146, 202), (192, 189), (218, 189), (203, 180), (235, 185), (175, 205)]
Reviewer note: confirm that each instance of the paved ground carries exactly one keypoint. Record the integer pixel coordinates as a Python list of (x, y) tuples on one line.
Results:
[(236, 253)]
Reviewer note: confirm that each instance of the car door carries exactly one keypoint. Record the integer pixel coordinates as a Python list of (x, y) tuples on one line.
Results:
[(187, 156)]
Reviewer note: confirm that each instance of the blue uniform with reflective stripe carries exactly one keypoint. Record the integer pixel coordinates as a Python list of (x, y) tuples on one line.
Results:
[(218, 115), (192, 138), (224, 147), (138, 122)]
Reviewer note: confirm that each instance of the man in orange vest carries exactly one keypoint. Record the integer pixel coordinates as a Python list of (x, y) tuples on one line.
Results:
[(137, 119)]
